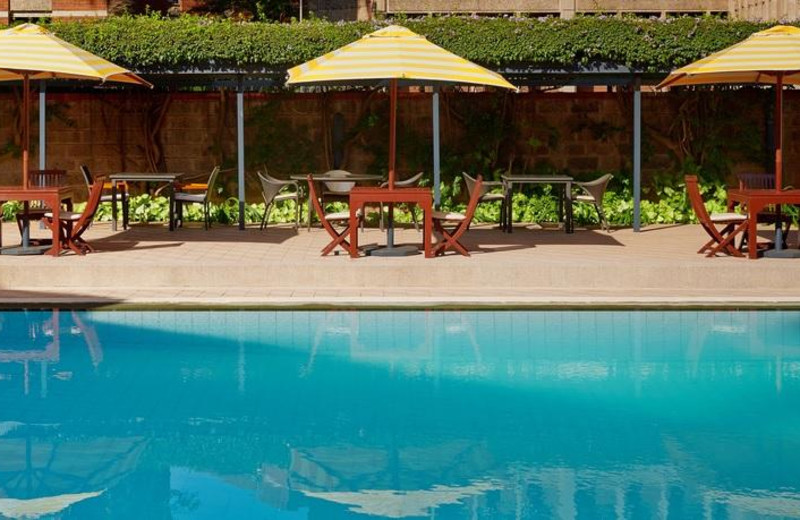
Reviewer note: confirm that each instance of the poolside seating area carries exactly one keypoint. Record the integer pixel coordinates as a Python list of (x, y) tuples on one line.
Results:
[(282, 266)]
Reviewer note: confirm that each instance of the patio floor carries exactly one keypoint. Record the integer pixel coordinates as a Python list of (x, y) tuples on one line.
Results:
[(531, 267)]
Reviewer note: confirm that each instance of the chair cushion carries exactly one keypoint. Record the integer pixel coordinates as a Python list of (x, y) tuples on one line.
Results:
[(491, 197), (452, 216), (107, 198), (65, 215), (190, 197), (727, 217), (341, 215)]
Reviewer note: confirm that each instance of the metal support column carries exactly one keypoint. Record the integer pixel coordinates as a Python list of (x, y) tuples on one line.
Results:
[(240, 151), (42, 125), (437, 169), (637, 154)]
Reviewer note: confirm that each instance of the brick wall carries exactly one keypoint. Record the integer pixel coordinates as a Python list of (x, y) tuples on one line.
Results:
[(583, 132)]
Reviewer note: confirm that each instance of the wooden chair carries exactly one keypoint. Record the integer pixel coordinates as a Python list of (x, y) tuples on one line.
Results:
[(461, 222), (72, 225), (485, 191), (733, 224), (339, 237)]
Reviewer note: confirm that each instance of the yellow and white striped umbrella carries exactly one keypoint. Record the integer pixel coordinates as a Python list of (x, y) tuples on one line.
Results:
[(762, 58), (393, 52), (767, 57), (31, 50)]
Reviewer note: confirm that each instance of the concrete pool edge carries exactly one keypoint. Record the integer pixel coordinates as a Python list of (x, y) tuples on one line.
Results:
[(171, 300)]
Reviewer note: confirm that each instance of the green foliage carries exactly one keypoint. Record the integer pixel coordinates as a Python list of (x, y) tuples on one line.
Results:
[(153, 42)]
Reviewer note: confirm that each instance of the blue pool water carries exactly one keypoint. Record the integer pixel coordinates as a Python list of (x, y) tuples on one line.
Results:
[(445, 415)]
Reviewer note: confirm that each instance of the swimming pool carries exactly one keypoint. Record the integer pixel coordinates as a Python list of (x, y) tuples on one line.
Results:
[(446, 415)]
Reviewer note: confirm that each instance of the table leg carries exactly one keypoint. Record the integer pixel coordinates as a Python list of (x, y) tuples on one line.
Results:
[(752, 231), (172, 207), (26, 225), (125, 208), (113, 205), (428, 230), (568, 224), (509, 212), (310, 205), (56, 209), (353, 229)]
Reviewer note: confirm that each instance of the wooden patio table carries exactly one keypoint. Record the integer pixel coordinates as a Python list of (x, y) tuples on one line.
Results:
[(326, 177), (52, 196), (359, 196), (755, 201)]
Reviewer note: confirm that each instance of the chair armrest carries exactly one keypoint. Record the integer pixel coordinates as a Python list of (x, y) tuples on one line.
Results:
[(192, 186)]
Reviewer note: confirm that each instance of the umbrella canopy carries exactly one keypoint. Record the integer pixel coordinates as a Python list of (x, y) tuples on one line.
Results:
[(767, 57), (29, 51), (393, 54)]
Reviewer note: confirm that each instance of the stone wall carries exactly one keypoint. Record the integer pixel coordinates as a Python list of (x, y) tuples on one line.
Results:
[(583, 133)]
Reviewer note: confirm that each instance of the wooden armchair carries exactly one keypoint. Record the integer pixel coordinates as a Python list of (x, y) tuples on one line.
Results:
[(339, 238), (459, 222), (72, 225), (732, 225)]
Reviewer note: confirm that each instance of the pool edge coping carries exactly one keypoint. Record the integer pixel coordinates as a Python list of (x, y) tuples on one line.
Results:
[(412, 303)]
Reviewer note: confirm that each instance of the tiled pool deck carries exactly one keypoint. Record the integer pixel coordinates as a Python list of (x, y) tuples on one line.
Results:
[(148, 265)]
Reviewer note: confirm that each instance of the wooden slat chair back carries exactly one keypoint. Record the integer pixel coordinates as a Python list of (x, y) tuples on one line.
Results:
[(770, 214), (733, 224), (339, 238), (40, 179), (450, 238), (72, 225), (756, 181)]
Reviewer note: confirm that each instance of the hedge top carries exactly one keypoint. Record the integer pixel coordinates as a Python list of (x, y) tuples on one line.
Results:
[(648, 45)]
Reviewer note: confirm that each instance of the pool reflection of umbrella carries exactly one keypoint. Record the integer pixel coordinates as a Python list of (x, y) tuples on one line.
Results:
[(30, 52), (393, 54), (770, 57)]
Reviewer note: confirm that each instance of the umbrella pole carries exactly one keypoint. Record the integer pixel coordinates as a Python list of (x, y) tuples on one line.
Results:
[(26, 140), (390, 249), (779, 132), (778, 251), (392, 157)]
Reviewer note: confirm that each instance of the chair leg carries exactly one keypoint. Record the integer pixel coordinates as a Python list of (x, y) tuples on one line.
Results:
[(340, 239), (297, 212), (380, 213), (728, 243), (265, 218), (602, 216)]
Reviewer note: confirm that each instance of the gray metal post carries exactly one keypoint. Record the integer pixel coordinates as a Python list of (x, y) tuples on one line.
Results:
[(240, 151), (42, 125), (437, 170), (637, 154)]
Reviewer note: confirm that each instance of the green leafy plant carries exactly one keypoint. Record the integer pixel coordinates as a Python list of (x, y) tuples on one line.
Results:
[(154, 42)]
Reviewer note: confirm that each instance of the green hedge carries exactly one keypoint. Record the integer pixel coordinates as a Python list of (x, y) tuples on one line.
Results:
[(152, 42)]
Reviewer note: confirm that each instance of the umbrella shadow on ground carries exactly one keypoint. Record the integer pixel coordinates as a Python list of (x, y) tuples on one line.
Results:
[(35, 299), (493, 240), (152, 237)]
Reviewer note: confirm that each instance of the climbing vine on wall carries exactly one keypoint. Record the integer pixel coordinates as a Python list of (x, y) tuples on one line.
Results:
[(151, 42)]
